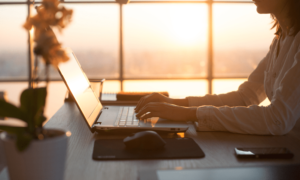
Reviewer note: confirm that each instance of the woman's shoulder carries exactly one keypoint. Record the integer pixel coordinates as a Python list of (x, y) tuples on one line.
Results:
[(273, 44)]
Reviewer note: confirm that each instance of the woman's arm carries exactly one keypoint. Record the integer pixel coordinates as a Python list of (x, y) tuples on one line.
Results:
[(277, 119), (157, 105), (250, 92)]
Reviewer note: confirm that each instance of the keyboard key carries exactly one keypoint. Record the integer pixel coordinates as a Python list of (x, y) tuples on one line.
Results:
[(120, 110), (131, 108), (125, 110), (119, 116), (129, 118), (126, 116), (122, 124)]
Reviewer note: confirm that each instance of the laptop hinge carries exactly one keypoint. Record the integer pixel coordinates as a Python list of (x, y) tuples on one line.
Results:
[(95, 122)]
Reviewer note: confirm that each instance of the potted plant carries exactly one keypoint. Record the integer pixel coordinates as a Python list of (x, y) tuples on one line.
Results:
[(31, 151)]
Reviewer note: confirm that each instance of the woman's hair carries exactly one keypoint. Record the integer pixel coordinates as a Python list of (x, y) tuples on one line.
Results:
[(293, 15)]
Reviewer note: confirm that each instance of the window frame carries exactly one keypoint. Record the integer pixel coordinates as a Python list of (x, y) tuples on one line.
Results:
[(210, 60)]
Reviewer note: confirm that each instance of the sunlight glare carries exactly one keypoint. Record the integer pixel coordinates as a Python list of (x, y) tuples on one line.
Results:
[(185, 26), (176, 88)]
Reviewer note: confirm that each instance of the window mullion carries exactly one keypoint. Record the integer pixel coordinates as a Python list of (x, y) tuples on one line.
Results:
[(210, 47)]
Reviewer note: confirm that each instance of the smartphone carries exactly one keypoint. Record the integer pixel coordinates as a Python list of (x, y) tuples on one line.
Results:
[(261, 153)]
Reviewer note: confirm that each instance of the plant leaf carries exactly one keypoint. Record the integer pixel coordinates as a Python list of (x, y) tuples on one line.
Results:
[(13, 130), (32, 100), (10, 110), (39, 118), (23, 140)]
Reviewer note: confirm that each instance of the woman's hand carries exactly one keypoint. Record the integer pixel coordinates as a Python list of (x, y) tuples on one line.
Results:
[(167, 111), (154, 97)]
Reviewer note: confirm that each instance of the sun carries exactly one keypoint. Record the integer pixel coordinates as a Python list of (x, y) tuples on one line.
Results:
[(186, 27)]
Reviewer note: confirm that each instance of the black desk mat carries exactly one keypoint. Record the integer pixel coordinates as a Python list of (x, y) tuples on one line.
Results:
[(176, 148)]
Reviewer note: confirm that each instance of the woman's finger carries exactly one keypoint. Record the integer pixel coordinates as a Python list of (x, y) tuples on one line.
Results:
[(154, 97), (150, 115), (150, 107), (143, 111), (141, 103)]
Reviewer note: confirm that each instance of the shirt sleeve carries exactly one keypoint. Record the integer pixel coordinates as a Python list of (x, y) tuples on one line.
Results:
[(276, 119)]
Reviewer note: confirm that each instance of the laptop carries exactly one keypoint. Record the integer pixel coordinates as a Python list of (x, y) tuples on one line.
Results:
[(108, 118)]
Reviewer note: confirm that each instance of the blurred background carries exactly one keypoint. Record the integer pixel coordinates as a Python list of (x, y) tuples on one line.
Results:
[(188, 48)]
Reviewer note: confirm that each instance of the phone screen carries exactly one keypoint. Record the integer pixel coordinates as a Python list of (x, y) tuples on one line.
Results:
[(262, 150), (277, 152)]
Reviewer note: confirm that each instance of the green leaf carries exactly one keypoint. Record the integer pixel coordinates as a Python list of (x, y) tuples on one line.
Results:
[(32, 100), (23, 140), (39, 118), (10, 110), (13, 130)]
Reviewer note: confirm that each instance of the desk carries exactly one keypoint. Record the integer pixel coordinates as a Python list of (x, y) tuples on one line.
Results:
[(217, 146)]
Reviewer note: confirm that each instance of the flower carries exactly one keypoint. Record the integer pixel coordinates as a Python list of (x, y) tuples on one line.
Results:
[(49, 14)]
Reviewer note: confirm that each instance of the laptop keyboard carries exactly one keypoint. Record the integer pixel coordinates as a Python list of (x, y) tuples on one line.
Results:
[(126, 117)]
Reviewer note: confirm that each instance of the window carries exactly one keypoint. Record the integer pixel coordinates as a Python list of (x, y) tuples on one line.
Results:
[(13, 43), (241, 39), (187, 48), (93, 35), (165, 40)]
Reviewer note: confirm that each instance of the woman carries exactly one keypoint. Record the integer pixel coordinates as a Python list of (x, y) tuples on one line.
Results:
[(277, 77)]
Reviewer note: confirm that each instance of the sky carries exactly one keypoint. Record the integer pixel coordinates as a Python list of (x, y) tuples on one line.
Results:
[(148, 26)]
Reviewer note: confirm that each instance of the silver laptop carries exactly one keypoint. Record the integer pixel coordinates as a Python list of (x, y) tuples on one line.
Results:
[(109, 118)]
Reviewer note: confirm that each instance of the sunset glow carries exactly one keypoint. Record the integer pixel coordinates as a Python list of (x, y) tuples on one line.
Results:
[(162, 40), (186, 27)]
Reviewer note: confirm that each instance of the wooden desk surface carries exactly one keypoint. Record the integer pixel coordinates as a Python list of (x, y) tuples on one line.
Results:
[(217, 146)]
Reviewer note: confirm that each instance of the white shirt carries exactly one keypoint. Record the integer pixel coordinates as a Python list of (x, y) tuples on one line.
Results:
[(277, 78)]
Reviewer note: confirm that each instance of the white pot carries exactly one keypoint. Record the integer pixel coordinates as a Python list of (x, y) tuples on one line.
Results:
[(42, 160)]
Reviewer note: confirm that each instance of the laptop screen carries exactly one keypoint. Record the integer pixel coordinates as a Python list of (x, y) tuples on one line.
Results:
[(79, 85)]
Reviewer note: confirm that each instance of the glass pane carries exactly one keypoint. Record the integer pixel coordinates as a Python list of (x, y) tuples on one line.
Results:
[(169, 0), (88, 0), (9, 1), (80, 0), (241, 39), (111, 86), (93, 35), (236, 0), (176, 88), (13, 42), (165, 40), (221, 86)]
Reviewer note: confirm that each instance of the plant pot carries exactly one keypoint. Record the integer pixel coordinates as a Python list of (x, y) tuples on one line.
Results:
[(42, 160)]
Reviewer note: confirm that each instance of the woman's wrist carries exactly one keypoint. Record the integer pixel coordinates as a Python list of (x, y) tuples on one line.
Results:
[(179, 102), (192, 113)]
